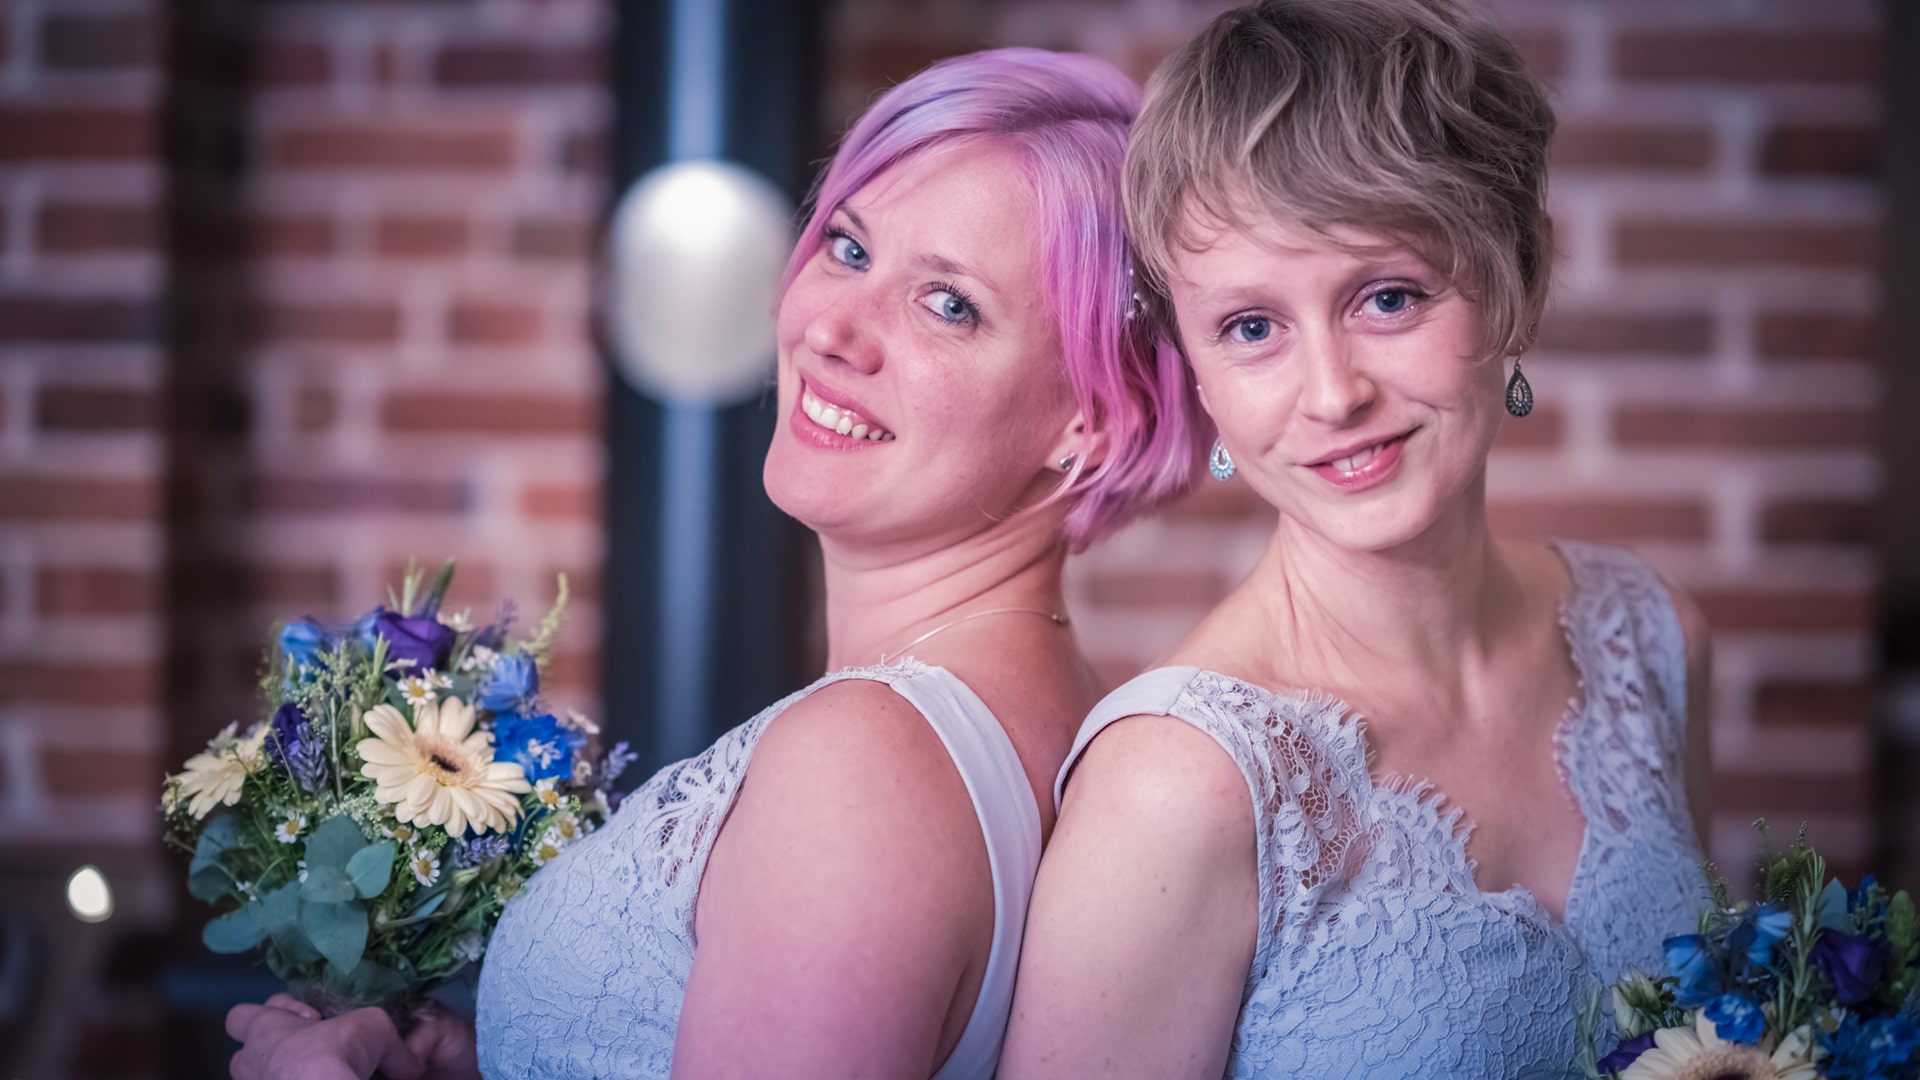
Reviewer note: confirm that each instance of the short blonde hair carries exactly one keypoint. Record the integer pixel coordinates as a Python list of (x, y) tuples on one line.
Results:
[(1405, 118)]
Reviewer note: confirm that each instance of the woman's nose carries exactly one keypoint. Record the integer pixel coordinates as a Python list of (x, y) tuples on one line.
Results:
[(1338, 391), (839, 331)]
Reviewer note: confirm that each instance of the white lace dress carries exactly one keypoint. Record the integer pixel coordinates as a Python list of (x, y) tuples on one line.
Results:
[(586, 972), (1377, 955)]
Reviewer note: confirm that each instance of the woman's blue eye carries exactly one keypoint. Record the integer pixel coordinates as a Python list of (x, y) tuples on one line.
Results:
[(1252, 328), (950, 306), (1391, 301), (848, 251)]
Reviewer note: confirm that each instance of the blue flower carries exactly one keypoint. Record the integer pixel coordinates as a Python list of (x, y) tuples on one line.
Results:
[(1691, 960), (511, 685), (1627, 1053), (478, 850), (1770, 924), (1736, 1018), (1883, 1049), (538, 744), (1853, 963), (301, 640)]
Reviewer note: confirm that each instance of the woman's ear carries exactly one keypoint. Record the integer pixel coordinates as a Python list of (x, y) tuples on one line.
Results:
[(1086, 444)]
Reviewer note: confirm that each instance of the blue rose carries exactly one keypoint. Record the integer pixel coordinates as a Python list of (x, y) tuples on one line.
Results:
[(538, 744), (1691, 960), (511, 685), (422, 640), (1736, 1018), (1627, 1053), (301, 640), (1853, 963)]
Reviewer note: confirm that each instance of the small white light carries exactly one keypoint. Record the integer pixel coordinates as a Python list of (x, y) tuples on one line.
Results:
[(89, 896)]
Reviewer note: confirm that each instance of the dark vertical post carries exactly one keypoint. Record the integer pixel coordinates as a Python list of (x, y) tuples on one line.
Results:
[(705, 577)]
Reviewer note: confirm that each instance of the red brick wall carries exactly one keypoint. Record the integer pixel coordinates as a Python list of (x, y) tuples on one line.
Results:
[(326, 311), (1706, 376)]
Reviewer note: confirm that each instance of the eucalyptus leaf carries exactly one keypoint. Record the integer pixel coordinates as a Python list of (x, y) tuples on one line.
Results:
[(209, 882), (326, 885), (280, 908), (221, 834), (371, 868), (428, 906), (1832, 908), (333, 843), (338, 931), (371, 982), (235, 932)]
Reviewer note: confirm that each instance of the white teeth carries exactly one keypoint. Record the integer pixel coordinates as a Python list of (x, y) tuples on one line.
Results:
[(841, 421), (1357, 461)]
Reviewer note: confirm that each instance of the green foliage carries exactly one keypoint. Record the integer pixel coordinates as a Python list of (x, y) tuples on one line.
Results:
[(338, 931), (542, 640), (236, 931), (371, 868)]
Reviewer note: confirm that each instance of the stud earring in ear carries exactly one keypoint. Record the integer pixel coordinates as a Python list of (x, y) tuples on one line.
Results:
[(1220, 463), (1066, 463)]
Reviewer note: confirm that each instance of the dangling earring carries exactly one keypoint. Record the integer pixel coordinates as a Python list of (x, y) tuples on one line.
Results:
[(1519, 392), (1220, 463)]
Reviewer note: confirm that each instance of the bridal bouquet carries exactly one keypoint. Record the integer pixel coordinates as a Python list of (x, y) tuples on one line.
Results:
[(1816, 980), (405, 784)]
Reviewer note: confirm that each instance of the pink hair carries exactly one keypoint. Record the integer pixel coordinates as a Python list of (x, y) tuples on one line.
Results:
[(1069, 115)]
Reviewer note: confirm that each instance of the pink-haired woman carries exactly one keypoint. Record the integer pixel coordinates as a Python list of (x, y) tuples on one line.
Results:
[(1341, 206), (965, 397)]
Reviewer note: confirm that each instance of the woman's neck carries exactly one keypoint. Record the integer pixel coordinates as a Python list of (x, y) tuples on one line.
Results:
[(877, 602), (1429, 610)]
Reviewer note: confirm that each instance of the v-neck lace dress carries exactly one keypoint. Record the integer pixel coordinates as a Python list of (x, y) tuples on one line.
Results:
[(586, 973), (1377, 954)]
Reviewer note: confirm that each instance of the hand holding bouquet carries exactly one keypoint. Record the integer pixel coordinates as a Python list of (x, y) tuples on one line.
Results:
[(1817, 980), (407, 783)]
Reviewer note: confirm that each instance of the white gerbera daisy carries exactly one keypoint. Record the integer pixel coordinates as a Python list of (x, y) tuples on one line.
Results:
[(426, 867), (289, 830), (417, 690), (215, 776), (439, 770), (1699, 1053)]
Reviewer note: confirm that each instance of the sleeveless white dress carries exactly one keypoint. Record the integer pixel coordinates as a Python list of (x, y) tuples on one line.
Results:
[(588, 967), (1377, 955)]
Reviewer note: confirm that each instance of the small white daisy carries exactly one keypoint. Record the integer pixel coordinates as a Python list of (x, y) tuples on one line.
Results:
[(460, 622), (443, 682), (547, 848), (569, 827), (417, 690), (245, 888), (582, 770), (426, 867), (289, 830), (405, 834), (544, 790)]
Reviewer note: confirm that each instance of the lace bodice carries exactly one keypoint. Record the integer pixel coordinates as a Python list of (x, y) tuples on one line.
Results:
[(586, 972), (1377, 955)]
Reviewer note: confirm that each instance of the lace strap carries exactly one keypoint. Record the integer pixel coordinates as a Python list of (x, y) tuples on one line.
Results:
[(1631, 652)]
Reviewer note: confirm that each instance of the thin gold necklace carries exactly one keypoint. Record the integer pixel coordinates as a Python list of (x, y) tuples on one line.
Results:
[(1058, 620)]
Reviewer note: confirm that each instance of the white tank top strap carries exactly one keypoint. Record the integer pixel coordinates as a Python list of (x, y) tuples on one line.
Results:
[(1010, 823), (1150, 693)]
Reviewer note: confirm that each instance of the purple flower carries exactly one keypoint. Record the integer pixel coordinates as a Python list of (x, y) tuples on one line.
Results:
[(478, 850), (1690, 958), (422, 640), (1736, 1018), (1626, 1053), (618, 759), (292, 748), (1853, 963), (511, 685)]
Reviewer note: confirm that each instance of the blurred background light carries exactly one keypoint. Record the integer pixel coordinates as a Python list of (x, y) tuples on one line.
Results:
[(89, 896)]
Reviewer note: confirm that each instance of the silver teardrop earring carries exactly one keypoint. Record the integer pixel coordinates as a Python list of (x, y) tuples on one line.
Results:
[(1220, 463), (1519, 392), (1066, 463)]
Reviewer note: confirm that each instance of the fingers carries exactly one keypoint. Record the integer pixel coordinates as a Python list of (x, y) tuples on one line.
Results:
[(240, 1020), (294, 1005)]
